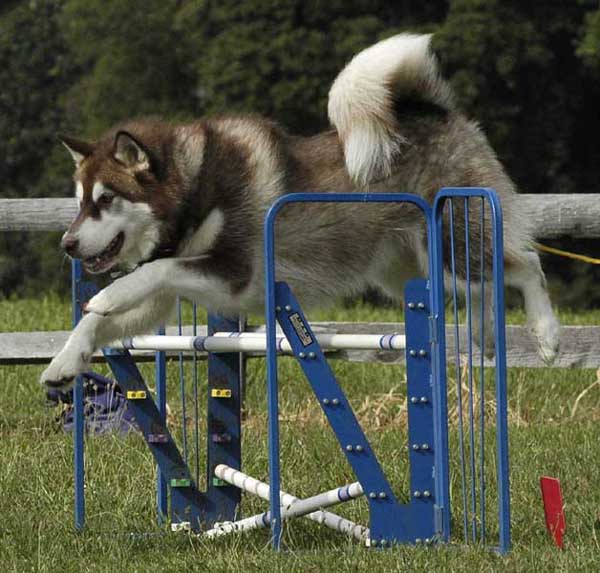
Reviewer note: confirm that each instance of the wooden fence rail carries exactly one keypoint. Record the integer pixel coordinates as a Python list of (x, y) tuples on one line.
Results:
[(580, 345), (576, 216)]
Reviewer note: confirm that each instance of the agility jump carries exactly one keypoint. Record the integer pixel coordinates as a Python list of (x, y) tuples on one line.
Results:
[(425, 517)]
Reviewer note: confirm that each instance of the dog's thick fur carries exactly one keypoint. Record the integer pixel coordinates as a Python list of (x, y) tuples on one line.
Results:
[(183, 204)]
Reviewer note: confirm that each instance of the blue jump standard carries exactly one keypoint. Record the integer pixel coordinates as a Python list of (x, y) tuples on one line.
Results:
[(425, 517)]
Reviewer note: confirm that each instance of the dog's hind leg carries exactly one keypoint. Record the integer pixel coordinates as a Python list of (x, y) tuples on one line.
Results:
[(526, 275), (398, 260), (483, 318)]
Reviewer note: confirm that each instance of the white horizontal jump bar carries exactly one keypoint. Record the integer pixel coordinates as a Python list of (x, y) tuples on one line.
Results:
[(257, 342), (291, 506)]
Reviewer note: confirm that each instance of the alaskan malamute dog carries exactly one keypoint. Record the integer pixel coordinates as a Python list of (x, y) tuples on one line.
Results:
[(182, 205)]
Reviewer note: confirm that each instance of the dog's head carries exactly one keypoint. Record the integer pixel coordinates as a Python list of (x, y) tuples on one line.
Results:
[(125, 187)]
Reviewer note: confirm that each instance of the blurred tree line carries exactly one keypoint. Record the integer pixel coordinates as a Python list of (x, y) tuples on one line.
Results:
[(528, 71)]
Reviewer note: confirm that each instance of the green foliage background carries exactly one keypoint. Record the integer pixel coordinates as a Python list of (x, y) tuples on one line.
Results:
[(528, 71)]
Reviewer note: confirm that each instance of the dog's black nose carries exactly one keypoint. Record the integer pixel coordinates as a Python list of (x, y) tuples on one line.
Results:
[(69, 244)]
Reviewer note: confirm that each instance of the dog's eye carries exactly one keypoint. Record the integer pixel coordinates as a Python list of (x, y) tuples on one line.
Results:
[(105, 200)]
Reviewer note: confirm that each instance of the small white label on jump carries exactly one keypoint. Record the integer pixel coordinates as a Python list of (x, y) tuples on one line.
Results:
[(301, 330)]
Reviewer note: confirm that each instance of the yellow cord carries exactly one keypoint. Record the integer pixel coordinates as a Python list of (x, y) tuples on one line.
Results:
[(560, 253)]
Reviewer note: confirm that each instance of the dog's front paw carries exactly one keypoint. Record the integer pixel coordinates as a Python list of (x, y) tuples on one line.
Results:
[(62, 371)]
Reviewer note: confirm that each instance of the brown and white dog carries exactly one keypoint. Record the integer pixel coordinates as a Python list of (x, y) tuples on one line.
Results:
[(182, 205)]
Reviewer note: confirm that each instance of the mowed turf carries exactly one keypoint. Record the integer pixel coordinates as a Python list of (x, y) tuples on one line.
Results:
[(554, 419)]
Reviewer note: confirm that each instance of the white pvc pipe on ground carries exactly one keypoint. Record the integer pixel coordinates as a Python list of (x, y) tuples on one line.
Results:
[(291, 506), (257, 342), (298, 508)]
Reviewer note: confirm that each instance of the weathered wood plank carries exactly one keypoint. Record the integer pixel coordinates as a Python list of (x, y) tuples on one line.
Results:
[(41, 347), (580, 345), (36, 214), (580, 348), (575, 215), (570, 215)]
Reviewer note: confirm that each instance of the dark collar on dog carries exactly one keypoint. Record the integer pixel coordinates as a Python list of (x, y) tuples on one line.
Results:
[(161, 253)]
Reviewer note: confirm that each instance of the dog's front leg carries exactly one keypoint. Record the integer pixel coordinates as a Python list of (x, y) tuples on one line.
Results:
[(196, 278), (95, 331), (127, 292), (139, 302)]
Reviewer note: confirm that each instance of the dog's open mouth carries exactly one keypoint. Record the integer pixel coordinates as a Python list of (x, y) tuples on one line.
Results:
[(107, 258)]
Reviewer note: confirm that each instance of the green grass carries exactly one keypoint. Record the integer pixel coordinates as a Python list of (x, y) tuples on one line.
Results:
[(553, 431)]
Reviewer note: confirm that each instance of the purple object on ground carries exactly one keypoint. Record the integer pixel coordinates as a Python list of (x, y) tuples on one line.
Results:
[(105, 406)]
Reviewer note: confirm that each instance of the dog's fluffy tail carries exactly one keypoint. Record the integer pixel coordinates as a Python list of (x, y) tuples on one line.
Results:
[(366, 94)]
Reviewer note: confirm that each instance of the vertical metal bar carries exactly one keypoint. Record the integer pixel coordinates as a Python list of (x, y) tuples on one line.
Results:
[(501, 390), (482, 371), (422, 427), (79, 418), (272, 387), (440, 388), (182, 387), (242, 325), (461, 435), (470, 373), (195, 388), (160, 374)]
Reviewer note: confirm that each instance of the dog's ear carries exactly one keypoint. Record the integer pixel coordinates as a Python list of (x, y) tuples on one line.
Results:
[(78, 149), (130, 153)]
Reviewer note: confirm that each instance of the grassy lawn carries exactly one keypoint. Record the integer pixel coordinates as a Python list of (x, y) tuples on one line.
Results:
[(554, 418)]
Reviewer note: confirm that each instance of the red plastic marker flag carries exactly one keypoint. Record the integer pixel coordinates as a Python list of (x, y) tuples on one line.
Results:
[(553, 509)]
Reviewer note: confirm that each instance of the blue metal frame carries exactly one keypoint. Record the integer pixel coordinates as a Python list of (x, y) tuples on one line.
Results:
[(81, 292), (224, 424), (502, 476), (427, 514), (79, 420), (419, 389), (392, 523), (188, 504), (201, 509), (160, 377)]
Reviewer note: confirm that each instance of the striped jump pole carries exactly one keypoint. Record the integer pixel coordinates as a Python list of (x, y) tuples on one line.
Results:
[(291, 506), (257, 342)]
